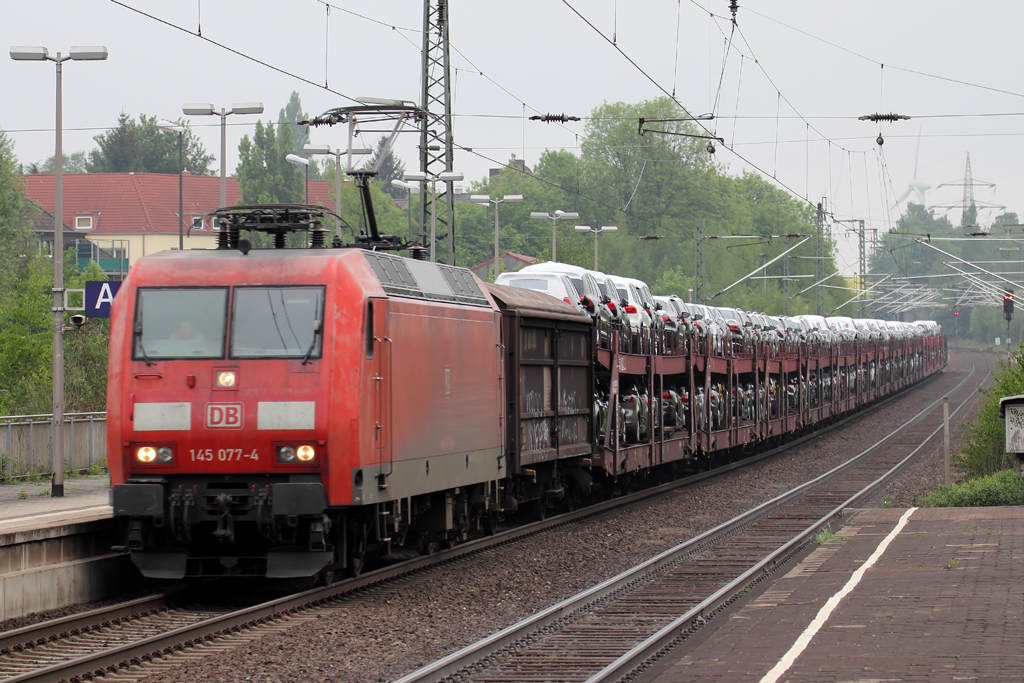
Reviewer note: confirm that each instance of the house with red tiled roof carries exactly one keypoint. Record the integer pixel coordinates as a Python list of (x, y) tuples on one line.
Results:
[(136, 214), (509, 263)]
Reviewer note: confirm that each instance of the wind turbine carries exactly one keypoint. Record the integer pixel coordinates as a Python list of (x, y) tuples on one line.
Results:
[(916, 186)]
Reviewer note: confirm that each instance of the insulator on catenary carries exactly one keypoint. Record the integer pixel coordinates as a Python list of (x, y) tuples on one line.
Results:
[(554, 118)]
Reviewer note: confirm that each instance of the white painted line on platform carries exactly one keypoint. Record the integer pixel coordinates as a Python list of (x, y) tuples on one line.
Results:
[(826, 611)]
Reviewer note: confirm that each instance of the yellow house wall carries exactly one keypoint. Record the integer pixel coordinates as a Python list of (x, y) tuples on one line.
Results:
[(144, 245)]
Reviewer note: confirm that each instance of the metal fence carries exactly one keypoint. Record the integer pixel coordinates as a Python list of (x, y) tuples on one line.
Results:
[(26, 443)]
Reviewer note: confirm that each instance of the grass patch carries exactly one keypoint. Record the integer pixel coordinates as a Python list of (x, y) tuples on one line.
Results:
[(824, 536), (1001, 488)]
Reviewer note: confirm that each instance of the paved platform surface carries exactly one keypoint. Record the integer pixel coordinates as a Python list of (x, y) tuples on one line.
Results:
[(26, 506), (940, 598)]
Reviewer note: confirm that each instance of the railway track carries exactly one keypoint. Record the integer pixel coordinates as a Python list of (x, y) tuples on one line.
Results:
[(616, 629), (143, 632)]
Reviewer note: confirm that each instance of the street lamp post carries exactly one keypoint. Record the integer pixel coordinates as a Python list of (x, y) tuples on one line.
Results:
[(599, 229), (300, 161), (445, 177), (408, 187), (559, 216), (210, 110), (168, 127), (39, 54), (483, 200), (337, 154)]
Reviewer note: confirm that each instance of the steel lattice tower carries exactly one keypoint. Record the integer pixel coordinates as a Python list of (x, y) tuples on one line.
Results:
[(968, 192), (436, 146)]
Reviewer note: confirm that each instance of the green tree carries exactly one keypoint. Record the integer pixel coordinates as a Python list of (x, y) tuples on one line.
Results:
[(654, 185), (141, 147), (987, 323), (391, 167), (76, 162), (1006, 219), (14, 207), (969, 219), (26, 342), (264, 175), (291, 115)]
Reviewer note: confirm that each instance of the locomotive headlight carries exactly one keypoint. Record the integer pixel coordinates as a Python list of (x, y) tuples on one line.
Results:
[(146, 454), (305, 453), (286, 453), (165, 455), (225, 379)]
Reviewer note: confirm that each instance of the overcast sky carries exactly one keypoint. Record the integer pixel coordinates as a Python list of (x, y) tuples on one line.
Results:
[(792, 113)]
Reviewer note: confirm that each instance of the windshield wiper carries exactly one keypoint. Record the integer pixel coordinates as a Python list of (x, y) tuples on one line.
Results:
[(317, 324), (138, 334)]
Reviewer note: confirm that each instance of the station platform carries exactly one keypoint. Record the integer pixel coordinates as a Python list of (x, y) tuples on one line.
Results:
[(920, 594), (56, 552), (25, 506)]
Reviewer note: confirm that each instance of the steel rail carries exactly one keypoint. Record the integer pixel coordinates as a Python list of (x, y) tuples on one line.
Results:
[(459, 662), (83, 622), (205, 630)]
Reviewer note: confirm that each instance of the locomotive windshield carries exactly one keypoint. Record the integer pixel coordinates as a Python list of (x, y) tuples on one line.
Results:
[(179, 323), (277, 322)]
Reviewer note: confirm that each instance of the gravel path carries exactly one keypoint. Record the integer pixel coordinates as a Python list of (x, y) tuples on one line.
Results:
[(388, 634)]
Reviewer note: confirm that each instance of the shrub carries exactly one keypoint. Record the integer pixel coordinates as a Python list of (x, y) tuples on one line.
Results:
[(1001, 488), (983, 452)]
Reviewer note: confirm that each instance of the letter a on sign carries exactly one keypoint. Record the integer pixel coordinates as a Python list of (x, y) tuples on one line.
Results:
[(98, 297)]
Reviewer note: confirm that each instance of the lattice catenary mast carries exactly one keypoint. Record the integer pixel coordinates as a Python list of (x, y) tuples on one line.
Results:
[(436, 146)]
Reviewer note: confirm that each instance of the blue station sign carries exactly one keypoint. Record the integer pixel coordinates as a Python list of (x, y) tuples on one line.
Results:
[(98, 297)]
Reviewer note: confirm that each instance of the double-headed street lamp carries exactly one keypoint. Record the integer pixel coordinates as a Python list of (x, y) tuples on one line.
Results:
[(597, 231), (210, 110), (559, 216), (39, 54), (337, 154), (483, 200), (168, 127), (444, 177), (300, 161)]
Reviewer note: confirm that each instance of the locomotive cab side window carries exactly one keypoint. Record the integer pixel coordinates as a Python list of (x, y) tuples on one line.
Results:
[(277, 322), (179, 322)]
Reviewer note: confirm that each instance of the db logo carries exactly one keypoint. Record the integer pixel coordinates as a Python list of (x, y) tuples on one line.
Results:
[(223, 415)]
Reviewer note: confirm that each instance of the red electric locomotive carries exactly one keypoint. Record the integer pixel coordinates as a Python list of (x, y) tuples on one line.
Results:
[(273, 412)]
